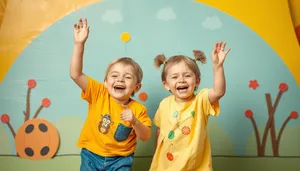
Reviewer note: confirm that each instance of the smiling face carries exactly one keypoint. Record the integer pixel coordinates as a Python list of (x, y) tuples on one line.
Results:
[(121, 82), (181, 81)]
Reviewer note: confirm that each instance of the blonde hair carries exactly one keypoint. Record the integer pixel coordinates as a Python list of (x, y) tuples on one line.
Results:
[(173, 60), (127, 61)]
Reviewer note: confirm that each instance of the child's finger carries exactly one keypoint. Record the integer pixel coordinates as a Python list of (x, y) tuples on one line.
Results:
[(216, 47), (219, 45), (80, 23), (227, 51), (223, 46), (122, 114), (85, 22)]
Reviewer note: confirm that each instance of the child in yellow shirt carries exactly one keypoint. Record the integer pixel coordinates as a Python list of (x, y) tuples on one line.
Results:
[(182, 118), (114, 120)]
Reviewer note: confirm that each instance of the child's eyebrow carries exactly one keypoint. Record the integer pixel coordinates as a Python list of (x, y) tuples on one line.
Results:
[(128, 73), (183, 73), (116, 72)]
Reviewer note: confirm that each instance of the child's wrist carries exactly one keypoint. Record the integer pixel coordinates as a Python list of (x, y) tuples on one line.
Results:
[(135, 121), (78, 43), (217, 67)]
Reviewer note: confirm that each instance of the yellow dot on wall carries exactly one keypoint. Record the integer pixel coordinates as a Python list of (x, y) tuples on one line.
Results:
[(125, 37)]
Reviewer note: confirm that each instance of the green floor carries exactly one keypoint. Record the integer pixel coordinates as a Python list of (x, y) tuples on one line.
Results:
[(71, 163)]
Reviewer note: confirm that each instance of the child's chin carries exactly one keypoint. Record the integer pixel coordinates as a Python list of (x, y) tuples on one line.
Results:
[(183, 97)]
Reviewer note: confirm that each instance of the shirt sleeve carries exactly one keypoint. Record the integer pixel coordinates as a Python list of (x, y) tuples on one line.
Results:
[(208, 108), (93, 90), (144, 117)]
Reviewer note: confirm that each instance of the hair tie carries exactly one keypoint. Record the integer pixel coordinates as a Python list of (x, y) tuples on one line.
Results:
[(165, 62), (195, 60)]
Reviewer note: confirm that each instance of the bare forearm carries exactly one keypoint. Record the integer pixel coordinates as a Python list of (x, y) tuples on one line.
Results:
[(219, 88), (76, 60), (219, 81), (142, 131), (76, 66)]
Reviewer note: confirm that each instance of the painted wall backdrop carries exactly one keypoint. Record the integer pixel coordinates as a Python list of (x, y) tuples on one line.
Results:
[(40, 107)]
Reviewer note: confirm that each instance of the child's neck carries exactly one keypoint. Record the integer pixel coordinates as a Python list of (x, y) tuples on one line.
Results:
[(124, 102)]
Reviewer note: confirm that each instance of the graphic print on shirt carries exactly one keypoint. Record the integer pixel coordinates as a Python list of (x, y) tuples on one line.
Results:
[(104, 124), (185, 130)]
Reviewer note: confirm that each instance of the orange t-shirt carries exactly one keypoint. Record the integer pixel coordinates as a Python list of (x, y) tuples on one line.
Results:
[(104, 133)]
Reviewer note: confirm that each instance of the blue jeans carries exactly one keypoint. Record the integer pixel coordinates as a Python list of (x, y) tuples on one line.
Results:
[(93, 162)]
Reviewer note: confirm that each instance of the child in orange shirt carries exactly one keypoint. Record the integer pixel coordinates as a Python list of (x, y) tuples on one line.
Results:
[(114, 120)]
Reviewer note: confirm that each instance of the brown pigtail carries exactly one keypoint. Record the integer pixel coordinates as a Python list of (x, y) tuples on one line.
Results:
[(159, 59), (199, 56)]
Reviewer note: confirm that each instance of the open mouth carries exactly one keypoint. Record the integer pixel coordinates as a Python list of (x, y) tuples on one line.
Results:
[(119, 88), (182, 89)]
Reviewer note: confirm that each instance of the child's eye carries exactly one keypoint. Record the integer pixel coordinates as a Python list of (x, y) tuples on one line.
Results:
[(114, 76), (128, 77), (187, 75), (173, 77)]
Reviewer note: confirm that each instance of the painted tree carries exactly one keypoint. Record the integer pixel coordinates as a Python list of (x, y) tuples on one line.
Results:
[(44, 104), (270, 125)]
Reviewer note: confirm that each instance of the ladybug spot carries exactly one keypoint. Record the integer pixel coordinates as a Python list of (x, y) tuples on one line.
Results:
[(29, 128), (43, 127), (29, 152), (45, 151)]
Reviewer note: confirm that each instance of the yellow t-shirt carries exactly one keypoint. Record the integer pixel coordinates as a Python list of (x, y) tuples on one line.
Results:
[(104, 133), (183, 143)]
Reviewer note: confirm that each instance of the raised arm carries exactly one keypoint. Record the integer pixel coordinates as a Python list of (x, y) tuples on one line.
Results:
[(81, 32), (218, 57)]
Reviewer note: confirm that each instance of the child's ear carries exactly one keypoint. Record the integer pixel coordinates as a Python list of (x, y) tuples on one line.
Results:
[(138, 87), (105, 84), (198, 82), (166, 85)]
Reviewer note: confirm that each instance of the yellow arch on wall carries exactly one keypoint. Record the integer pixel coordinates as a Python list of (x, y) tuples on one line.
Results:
[(22, 22), (30, 19), (272, 21)]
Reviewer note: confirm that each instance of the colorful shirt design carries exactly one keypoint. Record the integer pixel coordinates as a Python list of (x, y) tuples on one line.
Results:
[(183, 143)]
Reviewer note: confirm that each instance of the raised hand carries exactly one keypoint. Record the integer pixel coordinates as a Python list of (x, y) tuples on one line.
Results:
[(81, 31), (128, 116), (218, 54)]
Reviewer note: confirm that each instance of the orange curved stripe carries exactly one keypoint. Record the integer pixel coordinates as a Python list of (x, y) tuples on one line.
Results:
[(271, 20), (297, 30)]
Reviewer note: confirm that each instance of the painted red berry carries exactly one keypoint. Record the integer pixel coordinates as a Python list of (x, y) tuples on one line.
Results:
[(31, 83), (294, 115), (283, 87), (46, 102), (5, 118), (143, 96), (249, 114)]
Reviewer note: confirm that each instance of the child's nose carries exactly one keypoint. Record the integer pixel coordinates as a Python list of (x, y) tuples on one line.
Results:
[(120, 79), (181, 79)]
